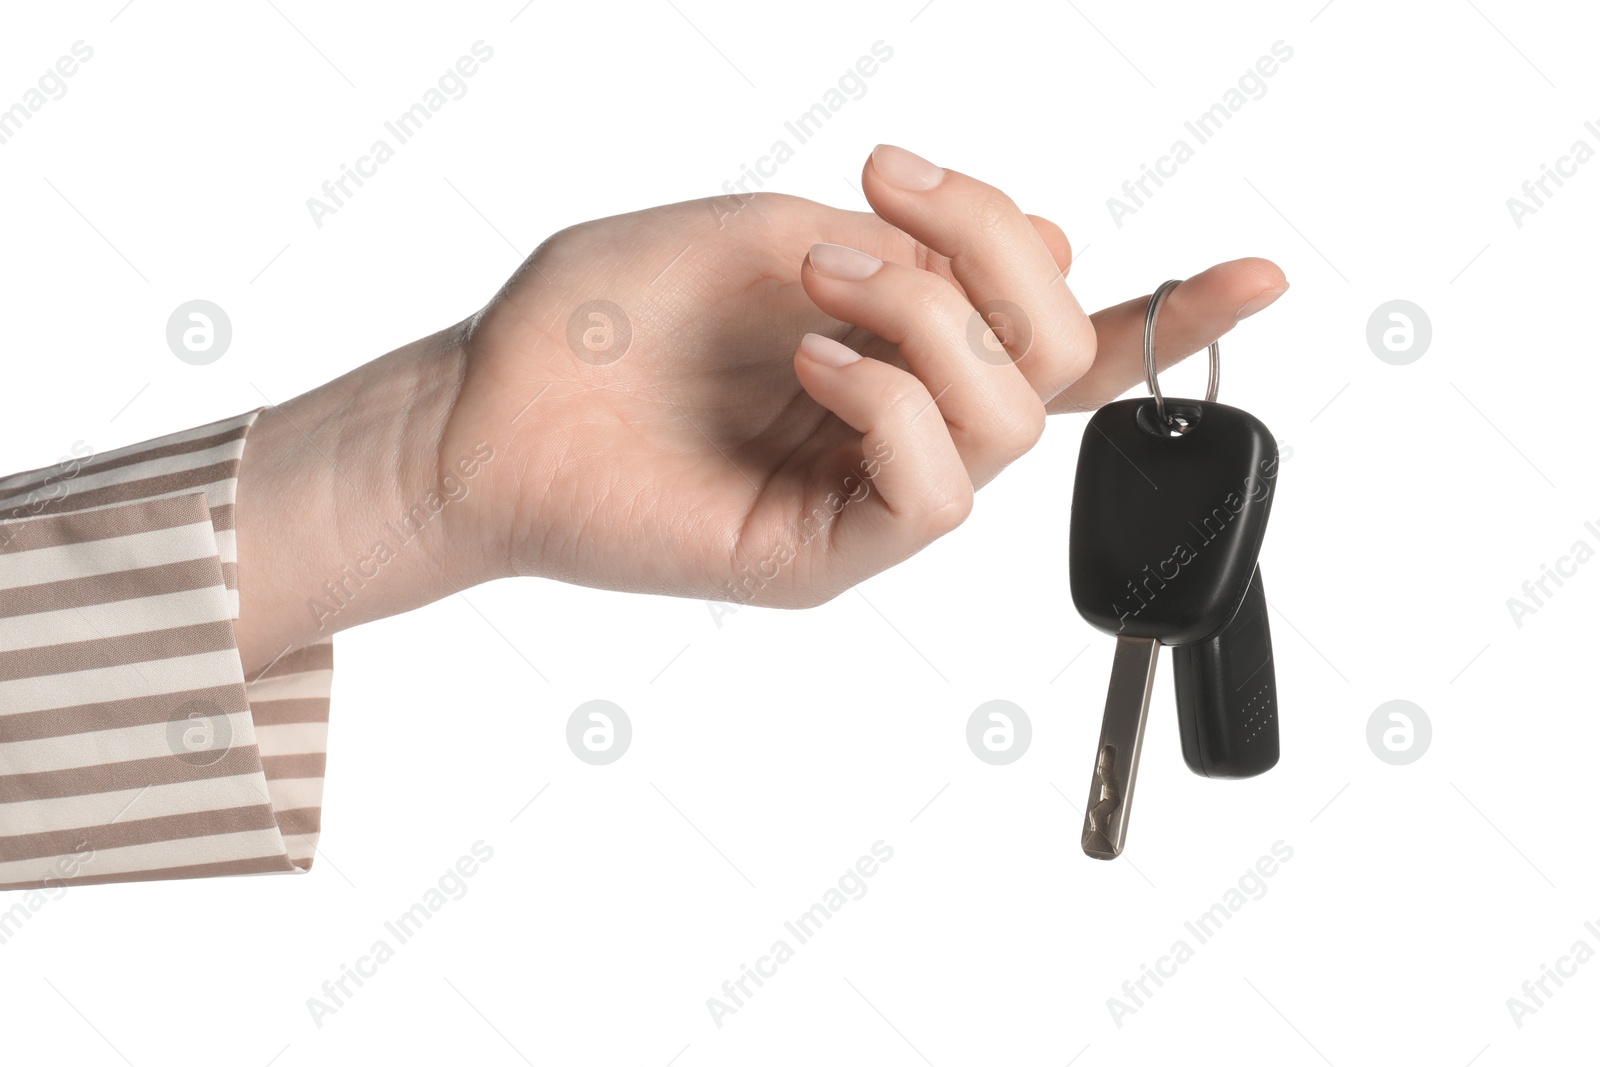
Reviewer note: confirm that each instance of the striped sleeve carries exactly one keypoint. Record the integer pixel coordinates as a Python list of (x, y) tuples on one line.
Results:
[(132, 746)]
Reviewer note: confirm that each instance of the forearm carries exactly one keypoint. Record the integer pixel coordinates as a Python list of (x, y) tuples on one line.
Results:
[(346, 509)]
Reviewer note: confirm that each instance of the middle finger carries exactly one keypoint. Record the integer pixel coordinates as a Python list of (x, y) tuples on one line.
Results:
[(997, 255)]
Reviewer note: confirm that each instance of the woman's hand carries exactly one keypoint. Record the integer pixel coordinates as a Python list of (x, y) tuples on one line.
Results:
[(756, 398), (779, 399)]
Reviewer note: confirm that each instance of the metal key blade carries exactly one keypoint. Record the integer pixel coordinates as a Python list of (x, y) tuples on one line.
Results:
[(1105, 817)]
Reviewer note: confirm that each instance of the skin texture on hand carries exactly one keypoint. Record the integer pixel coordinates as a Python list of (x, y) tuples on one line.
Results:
[(793, 398)]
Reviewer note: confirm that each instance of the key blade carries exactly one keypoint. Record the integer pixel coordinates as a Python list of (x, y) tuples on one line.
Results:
[(1105, 817)]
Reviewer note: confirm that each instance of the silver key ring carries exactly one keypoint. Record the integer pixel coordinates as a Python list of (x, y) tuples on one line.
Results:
[(1150, 312)]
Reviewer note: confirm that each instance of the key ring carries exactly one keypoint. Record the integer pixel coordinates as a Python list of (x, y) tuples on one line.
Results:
[(1150, 312)]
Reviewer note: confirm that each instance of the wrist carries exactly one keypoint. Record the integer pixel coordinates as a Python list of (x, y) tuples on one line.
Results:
[(347, 506)]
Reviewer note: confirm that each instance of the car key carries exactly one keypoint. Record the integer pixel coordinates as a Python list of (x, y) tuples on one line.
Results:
[(1227, 694), (1164, 536), (1170, 506)]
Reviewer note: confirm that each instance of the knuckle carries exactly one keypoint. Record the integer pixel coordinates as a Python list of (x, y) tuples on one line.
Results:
[(1079, 354), (560, 246), (817, 596), (902, 401), (994, 212), (767, 201), (764, 212), (1062, 363), (929, 291), (1021, 432), (944, 511), (1055, 232), (1077, 357), (804, 599)]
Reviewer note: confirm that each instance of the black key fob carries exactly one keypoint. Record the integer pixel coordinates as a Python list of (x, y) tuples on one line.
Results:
[(1227, 694), (1166, 527)]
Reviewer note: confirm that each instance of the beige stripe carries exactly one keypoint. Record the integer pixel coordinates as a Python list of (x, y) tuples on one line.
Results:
[(100, 652), (81, 559), (300, 822), (104, 588), (137, 517), (140, 832), (247, 844), (222, 510), (119, 713), (283, 712), (259, 865), (83, 527), (312, 765), (311, 685), (76, 627), (73, 557), (215, 497), (293, 739), (65, 493), (212, 478), (131, 743), (177, 675), (128, 774), (176, 455), (147, 802)]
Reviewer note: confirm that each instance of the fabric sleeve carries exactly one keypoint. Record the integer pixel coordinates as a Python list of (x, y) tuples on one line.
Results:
[(132, 746)]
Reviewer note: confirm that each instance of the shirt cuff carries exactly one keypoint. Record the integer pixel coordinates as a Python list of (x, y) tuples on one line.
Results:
[(132, 747)]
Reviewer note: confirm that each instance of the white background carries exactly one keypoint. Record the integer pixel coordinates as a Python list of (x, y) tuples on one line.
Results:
[(770, 753)]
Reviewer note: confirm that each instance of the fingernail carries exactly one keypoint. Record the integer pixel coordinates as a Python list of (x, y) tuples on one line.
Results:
[(841, 261), (905, 170), (827, 351), (1258, 303)]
